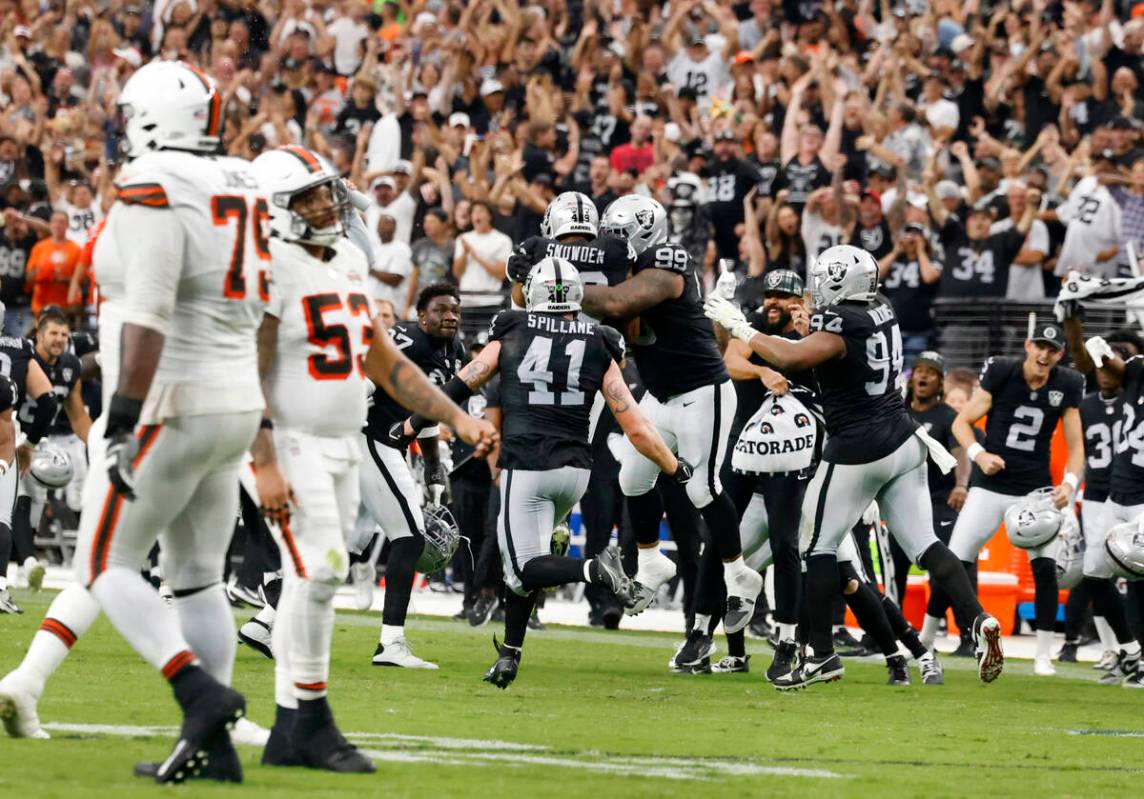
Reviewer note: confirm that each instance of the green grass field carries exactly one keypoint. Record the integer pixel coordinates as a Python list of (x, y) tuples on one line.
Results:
[(596, 713)]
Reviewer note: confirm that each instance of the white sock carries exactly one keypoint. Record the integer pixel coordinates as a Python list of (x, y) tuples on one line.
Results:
[(702, 622), (787, 631), (3, 582), (647, 557), (280, 643), (30, 562), (733, 570), (208, 625), (141, 617), (1045, 643), (391, 633), (1132, 648), (311, 621), (930, 626), (1104, 631), (69, 617), (587, 571)]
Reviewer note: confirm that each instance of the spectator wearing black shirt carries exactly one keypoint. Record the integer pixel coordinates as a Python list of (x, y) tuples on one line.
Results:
[(19, 234), (872, 231), (804, 150), (910, 276), (729, 179), (785, 247)]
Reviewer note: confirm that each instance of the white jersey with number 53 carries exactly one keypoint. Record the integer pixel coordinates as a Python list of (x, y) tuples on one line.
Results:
[(317, 381), (191, 235)]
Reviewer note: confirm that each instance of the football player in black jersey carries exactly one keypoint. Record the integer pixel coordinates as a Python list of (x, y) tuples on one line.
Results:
[(8, 399), (874, 450), (689, 399), (551, 364), (1024, 399), (1125, 492), (391, 498)]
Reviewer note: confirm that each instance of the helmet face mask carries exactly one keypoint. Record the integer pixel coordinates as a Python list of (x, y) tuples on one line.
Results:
[(571, 213), (442, 537), (843, 273), (51, 466), (288, 174), (1070, 553), (553, 285), (1124, 549), (640, 220)]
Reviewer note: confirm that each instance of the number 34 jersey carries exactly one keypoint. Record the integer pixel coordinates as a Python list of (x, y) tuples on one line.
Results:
[(1127, 487), (1021, 423), (316, 383), (551, 369), (866, 417)]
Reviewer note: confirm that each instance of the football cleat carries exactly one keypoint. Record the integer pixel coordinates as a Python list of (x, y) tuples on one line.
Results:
[(18, 708), (732, 664), (742, 591), (809, 671), (899, 671), (34, 571), (693, 655), (482, 606), (364, 578), (503, 671), (1067, 653), (1043, 666), (1107, 660), (1135, 681), (239, 595), (846, 645), (610, 617), (607, 570), (784, 660), (257, 635), (317, 743), (965, 648), (221, 764), (399, 654), (1127, 666), (990, 658), (6, 603), (762, 630), (648, 579), (210, 716), (932, 671), (534, 622)]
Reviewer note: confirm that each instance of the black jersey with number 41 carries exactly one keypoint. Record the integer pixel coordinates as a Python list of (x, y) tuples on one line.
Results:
[(866, 417), (1127, 483), (550, 370), (1021, 423), (675, 348)]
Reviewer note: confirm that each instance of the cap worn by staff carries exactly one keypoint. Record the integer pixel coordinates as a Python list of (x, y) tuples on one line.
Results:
[(933, 359), (1049, 333)]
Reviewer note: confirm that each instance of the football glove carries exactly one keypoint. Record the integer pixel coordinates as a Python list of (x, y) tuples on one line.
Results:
[(396, 437), (682, 472), (1098, 350), (727, 315), (123, 447), (519, 265)]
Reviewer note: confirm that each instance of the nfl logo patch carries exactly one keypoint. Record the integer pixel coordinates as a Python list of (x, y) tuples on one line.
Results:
[(1055, 398)]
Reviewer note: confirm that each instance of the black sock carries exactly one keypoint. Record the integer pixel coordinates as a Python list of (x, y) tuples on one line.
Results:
[(938, 601), (723, 526), (5, 548), (517, 610), (273, 592), (399, 570), (902, 629), (965, 623), (285, 717), (821, 589), (1046, 595), (1106, 601), (548, 571), (646, 512), (1076, 611), (189, 683), (868, 611), (737, 644), (23, 538), (948, 572), (710, 592)]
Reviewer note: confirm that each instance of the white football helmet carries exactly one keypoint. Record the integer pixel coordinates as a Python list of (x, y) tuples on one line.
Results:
[(170, 105), (289, 171), (641, 220), (572, 212), (553, 285), (51, 466), (1070, 553), (685, 187), (1124, 549), (843, 273), (1033, 520)]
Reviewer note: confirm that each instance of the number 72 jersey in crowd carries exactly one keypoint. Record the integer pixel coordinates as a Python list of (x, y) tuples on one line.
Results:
[(316, 383), (1021, 423), (200, 222)]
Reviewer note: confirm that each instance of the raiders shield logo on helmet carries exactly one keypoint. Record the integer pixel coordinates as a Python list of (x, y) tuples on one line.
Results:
[(645, 217), (836, 271)]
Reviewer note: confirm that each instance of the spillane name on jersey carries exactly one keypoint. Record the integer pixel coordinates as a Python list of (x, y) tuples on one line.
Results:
[(1021, 422), (439, 358), (551, 369), (316, 383), (1101, 420), (63, 374), (866, 417), (938, 422), (1127, 484), (675, 349), (210, 359), (602, 261)]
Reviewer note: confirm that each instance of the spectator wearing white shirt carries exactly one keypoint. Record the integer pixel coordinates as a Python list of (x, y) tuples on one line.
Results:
[(388, 199), (479, 264), (392, 263), (1092, 219), (1025, 282), (350, 32)]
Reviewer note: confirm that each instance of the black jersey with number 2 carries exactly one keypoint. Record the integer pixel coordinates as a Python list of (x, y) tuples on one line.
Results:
[(1127, 482), (1100, 419), (1021, 423), (675, 348), (550, 370)]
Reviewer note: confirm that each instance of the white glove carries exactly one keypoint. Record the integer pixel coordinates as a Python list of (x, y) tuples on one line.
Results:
[(728, 315), (1098, 350), (872, 514), (725, 286)]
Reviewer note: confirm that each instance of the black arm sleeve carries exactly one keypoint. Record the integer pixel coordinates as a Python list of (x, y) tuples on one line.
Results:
[(42, 411)]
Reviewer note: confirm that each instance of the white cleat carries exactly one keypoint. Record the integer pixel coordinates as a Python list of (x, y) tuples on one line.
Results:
[(18, 708), (647, 581), (248, 733), (1043, 666), (399, 654), (1108, 660), (34, 570), (363, 576), (987, 647), (258, 635), (742, 591)]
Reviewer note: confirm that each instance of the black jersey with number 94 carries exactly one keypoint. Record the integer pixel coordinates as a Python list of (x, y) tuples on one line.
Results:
[(866, 417)]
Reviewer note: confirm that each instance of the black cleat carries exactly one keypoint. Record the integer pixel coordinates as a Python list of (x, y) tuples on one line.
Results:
[(899, 671), (222, 763), (503, 672), (811, 670), (760, 628), (783, 662), (693, 656), (1067, 653), (482, 606), (847, 646), (317, 743), (278, 750), (966, 648), (534, 622), (611, 616), (210, 715)]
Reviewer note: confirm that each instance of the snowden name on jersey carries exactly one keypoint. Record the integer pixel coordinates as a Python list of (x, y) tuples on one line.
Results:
[(552, 324), (580, 254)]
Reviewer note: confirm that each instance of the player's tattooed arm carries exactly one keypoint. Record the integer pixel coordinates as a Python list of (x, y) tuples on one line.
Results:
[(635, 424), (635, 295), (480, 370)]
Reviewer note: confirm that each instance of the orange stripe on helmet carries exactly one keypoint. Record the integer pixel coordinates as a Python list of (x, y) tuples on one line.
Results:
[(214, 115), (305, 156)]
